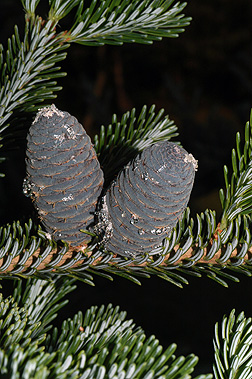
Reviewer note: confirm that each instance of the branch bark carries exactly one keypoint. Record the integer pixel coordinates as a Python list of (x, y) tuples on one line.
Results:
[(36, 263)]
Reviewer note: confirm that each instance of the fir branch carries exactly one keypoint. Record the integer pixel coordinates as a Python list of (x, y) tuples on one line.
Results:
[(118, 21), (24, 319), (101, 343), (25, 316), (42, 300), (237, 197), (193, 248), (233, 347), (29, 70)]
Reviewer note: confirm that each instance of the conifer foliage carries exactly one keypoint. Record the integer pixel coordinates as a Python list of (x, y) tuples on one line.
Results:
[(199, 245), (102, 343)]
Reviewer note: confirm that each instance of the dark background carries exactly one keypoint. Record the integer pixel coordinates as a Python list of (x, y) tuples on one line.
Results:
[(203, 80)]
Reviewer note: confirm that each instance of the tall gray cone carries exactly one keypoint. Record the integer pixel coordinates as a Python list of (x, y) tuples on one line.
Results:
[(64, 178)]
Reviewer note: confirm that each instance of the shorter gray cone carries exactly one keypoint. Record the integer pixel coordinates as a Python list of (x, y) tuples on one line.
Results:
[(148, 197)]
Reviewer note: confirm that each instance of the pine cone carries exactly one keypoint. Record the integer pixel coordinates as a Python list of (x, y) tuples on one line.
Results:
[(64, 178), (146, 200)]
